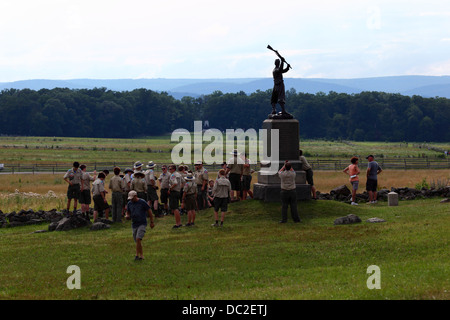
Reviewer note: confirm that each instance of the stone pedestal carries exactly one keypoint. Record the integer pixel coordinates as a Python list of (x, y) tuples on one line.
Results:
[(392, 199), (268, 187)]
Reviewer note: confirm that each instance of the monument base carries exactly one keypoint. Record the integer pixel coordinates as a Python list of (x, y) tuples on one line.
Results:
[(271, 192)]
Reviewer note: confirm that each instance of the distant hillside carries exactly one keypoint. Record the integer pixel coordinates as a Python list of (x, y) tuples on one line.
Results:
[(426, 86)]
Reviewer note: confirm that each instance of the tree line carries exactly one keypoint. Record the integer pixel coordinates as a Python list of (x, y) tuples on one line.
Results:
[(102, 113)]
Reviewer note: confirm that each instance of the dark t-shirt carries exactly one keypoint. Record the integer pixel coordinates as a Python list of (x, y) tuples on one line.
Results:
[(373, 166), (138, 212)]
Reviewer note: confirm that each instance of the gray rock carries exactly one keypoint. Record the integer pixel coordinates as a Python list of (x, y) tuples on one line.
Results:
[(341, 191), (99, 226), (350, 219), (375, 220)]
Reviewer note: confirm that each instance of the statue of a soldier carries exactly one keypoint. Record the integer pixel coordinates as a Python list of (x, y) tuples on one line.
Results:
[(278, 92)]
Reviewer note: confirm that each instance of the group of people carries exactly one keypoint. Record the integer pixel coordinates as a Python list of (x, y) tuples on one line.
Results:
[(134, 192)]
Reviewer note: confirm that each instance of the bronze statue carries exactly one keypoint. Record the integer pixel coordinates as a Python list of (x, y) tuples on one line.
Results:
[(278, 92)]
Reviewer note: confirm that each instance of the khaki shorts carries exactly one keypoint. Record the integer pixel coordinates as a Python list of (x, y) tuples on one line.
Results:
[(139, 232)]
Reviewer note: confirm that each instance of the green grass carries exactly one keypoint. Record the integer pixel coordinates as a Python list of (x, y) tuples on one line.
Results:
[(251, 257)]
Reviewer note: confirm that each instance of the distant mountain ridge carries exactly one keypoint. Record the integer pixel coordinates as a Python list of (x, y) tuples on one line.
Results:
[(426, 86)]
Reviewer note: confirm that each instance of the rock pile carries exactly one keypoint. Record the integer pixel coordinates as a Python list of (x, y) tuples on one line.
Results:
[(343, 194), (58, 220)]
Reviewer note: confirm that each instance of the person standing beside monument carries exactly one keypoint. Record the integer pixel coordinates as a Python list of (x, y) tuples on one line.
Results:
[(353, 171), (373, 169), (288, 192), (309, 173), (246, 179)]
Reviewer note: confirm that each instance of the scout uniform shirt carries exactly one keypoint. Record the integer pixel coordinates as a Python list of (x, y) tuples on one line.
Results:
[(150, 177), (236, 165), (164, 180), (200, 175), (127, 181), (305, 165), (222, 188), (138, 185), (190, 188), (86, 181), (98, 187), (116, 184), (74, 176), (287, 179), (175, 179), (247, 171)]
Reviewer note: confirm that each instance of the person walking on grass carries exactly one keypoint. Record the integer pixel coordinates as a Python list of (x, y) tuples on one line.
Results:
[(85, 190), (73, 178), (288, 192), (117, 187), (353, 171), (174, 194), (137, 211), (373, 170), (222, 192), (99, 196), (189, 198)]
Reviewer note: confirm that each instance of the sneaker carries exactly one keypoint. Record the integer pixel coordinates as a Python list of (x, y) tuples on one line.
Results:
[(177, 226), (187, 225), (136, 258), (354, 204), (215, 225), (375, 201)]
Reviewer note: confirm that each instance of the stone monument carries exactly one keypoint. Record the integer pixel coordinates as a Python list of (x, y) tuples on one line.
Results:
[(268, 187)]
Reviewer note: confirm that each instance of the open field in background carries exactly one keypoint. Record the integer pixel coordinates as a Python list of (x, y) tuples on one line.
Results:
[(251, 257), (30, 150), (325, 181)]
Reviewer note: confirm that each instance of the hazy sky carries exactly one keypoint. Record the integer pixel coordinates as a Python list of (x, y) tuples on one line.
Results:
[(59, 39)]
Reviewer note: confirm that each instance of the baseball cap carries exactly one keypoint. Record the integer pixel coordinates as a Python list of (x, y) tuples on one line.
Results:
[(131, 194)]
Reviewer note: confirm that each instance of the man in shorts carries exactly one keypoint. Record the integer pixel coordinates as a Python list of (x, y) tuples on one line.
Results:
[(150, 180), (373, 169), (221, 192), (164, 186), (190, 198), (117, 187), (99, 196), (201, 179), (73, 178), (138, 210), (235, 169), (174, 194), (309, 173), (85, 190), (353, 171)]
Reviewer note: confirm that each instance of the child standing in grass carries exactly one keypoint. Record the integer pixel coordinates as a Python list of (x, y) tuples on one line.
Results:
[(222, 192), (85, 195), (353, 171), (73, 178)]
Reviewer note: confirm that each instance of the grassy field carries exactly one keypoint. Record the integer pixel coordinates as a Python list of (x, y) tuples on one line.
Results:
[(251, 257), (47, 150), (34, 189)]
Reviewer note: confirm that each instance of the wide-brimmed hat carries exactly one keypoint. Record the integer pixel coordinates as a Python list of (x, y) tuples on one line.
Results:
[(128, 170), (235, 152), (137, 164), (198, 163), (132, 194), (189, 176), (150, 165), (139, 173)]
